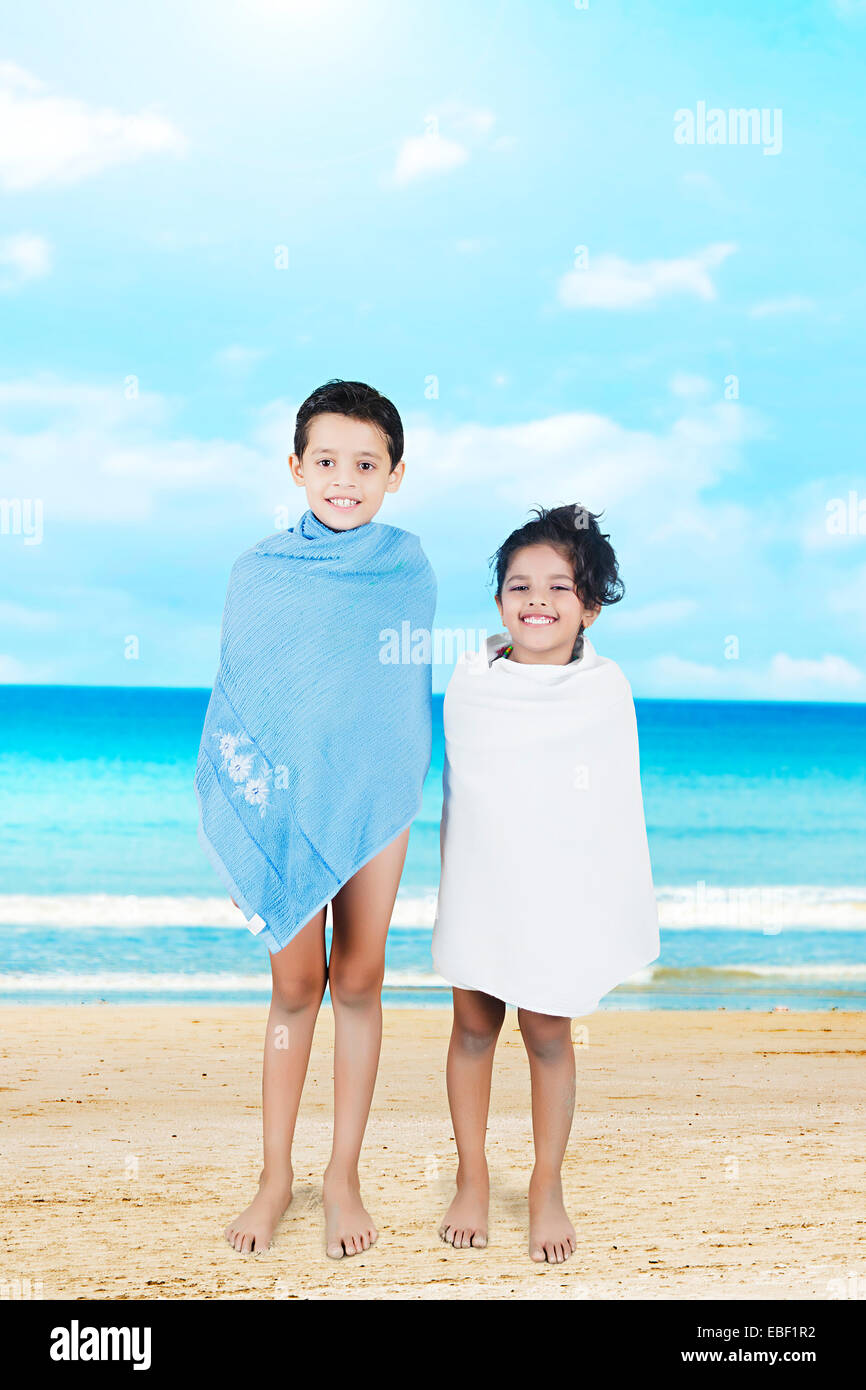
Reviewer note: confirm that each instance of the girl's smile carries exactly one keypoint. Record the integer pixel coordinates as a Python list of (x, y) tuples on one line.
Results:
[(534, 618)]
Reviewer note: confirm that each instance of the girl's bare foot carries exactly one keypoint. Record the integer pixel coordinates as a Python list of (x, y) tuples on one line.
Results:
[(252, 1231), (465, 1222), (551, 1234), (348, 1226)]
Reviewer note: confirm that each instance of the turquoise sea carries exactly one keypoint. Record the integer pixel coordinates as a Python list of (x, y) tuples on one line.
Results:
[(756, 815)]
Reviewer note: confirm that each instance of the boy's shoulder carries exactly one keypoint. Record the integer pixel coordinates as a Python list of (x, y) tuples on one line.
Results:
[(277, 543)]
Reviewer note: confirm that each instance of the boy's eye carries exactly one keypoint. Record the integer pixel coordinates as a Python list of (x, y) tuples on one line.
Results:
[(365, 463)]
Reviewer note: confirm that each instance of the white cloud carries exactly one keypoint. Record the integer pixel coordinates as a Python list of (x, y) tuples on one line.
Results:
[(610, 282), (237, 357), (420, 156), (664, 613), (14, 77), (473, 120), (451, 131), (703, 186), (784, 677), (49, 140), (18, 615), (469, 246), (580, 457), (99, 457), (15, 672), (27, 257), (849, 597), (689, 387), (800, 675), (792, 304)]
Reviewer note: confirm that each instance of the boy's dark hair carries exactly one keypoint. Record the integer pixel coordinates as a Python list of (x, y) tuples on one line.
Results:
[(359, 402), (574, 531)]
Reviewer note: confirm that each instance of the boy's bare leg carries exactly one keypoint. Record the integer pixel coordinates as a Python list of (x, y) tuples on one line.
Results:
[(551, 1065), (299, 973), (362, 914), (477, 1023)]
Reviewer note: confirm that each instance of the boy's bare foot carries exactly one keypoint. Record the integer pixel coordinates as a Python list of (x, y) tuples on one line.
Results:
[(348, 1226), (551, 1234), (252, 1231), (465, 1222)]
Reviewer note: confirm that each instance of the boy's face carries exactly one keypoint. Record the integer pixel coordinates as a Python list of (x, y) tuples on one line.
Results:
[(346, 470), (540, 606)]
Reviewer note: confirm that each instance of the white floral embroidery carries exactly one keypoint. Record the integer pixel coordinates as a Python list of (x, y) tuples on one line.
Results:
[(239, 766), (228, 744), (256, 793)]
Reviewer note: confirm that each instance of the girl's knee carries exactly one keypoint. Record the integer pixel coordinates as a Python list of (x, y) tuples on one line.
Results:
[(477, 1027), (546, 1036)]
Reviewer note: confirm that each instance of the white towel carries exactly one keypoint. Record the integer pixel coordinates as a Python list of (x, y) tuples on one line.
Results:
[(546, 897)]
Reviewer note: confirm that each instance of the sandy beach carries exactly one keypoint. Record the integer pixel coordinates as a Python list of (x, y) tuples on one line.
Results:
[(713, 1155)]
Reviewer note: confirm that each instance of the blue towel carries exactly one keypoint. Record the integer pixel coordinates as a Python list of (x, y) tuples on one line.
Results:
[(317, 737)]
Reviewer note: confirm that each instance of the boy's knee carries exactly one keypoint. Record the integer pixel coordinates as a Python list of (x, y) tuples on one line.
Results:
[(299, 992), (354, 986)]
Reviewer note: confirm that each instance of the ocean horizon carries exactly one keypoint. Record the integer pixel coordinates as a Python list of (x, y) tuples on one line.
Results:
[(755, 815)]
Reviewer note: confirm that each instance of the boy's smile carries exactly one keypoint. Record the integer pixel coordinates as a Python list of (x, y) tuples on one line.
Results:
[(346, 470)]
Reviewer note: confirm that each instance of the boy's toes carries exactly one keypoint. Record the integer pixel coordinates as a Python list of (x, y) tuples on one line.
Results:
[(335, 1249)]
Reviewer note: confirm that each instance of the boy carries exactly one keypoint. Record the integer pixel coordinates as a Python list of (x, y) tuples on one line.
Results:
[(313, 756)]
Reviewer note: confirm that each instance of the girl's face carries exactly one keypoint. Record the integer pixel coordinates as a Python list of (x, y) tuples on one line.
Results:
[(540, 606)]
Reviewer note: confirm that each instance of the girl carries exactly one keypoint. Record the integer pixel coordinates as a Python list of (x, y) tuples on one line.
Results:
[(546, 898)]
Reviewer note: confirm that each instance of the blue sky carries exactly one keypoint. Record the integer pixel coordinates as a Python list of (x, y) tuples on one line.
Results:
[(696, 371)]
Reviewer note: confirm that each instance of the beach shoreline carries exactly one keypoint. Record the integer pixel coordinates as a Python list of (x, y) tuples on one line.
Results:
[(713, 1155)]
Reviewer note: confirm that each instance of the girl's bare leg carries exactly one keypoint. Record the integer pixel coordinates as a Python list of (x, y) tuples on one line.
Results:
[(477, 1023), (299, 973), (362, 914), (551, 1067)]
